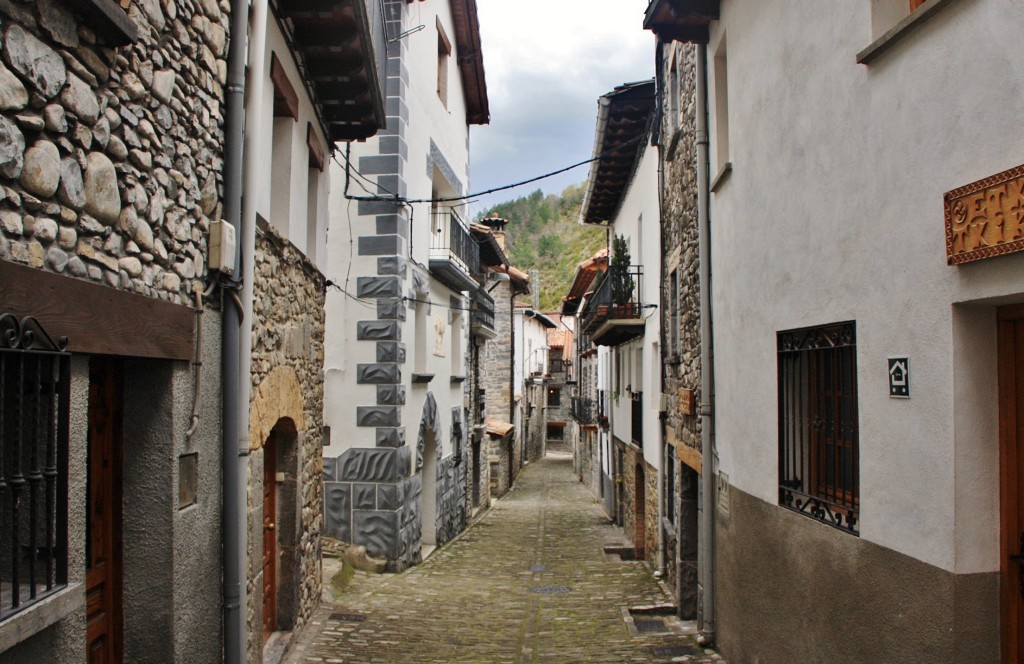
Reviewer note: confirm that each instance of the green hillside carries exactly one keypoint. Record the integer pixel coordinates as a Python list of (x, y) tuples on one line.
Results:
[(544, 233)]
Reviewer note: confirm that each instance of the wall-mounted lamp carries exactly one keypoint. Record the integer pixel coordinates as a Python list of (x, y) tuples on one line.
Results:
[(499, 277)]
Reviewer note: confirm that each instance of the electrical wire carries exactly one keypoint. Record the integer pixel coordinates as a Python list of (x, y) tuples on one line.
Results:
[(401, 200)]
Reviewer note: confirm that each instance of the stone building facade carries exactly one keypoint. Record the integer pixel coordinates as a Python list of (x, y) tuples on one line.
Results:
[(499, 391), (111, 147), (680, 319), (285, 434)]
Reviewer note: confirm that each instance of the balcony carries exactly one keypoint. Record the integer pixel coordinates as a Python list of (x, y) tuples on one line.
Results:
[(454, 255), (584, 411), (481, 321), (614, 314)]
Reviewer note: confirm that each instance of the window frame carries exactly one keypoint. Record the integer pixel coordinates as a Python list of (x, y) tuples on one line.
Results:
[(819, 444)]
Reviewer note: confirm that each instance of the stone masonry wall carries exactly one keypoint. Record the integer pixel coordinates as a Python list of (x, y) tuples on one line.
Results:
[(111, 158), (288, 335), (631, 458), (682, 362)]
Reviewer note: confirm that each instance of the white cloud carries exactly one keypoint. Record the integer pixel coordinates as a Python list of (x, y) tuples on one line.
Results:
[(547, 62)]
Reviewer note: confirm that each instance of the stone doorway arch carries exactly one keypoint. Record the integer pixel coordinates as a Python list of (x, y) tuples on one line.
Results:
[(428, 454)]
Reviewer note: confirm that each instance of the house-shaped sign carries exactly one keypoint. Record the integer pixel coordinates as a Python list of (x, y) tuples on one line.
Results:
[(899, 377)]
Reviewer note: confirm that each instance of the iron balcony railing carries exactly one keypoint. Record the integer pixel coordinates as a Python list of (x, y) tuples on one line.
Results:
[(616, 297), (584, 411), (452, 240), (637, 418), (483, 309)]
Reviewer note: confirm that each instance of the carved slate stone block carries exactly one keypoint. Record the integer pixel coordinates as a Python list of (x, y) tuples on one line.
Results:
[(364, 496), (368, 465), (378, 374), (377, 531), (390, 436), (391, 496), (390, 351), (378, 330), (374, 287), (395, 265), (378, 416), (391, 395), (391, 309), (411, 512), (403, 460), (338, 510), (330, 469), (413, 487), (380, 245)]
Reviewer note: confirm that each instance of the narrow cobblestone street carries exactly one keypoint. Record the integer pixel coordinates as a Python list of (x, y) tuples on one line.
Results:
[(528, 582)]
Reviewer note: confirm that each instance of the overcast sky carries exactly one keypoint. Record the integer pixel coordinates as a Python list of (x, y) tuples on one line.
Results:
[(547, 62)]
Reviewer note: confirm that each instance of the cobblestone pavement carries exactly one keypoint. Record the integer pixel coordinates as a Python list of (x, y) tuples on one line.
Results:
[(527, 582)]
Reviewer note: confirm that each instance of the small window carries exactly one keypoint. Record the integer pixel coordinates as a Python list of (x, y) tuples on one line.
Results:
[(674, 314), (721, 114), (554, 396), (34, 405), (818, 429), (444, 52), (670, 483)]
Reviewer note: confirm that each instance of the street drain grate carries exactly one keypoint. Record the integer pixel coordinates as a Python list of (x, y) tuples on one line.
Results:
[(538, 568), (348, 617), (550, 590), (650, 626), (674, 651)]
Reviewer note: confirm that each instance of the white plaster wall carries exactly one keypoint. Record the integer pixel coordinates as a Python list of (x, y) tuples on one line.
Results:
[(267, 164), (833, 212)]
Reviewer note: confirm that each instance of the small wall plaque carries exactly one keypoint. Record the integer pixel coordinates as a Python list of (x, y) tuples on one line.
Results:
[(899, 377), (686, 406)]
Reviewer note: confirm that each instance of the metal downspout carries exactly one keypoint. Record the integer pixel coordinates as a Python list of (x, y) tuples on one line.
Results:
[(663, 497), (706, 563), (233, 480)]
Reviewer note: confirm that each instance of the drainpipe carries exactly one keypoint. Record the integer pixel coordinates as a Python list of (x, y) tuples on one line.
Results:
[(706, 563), (663, 497), (233, 437)]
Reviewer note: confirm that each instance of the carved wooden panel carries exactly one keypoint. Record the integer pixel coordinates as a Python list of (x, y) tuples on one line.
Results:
[(686, 401), (985, 218)]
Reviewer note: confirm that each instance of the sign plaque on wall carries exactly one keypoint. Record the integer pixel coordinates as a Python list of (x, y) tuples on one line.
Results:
[(985, 218), (899, 377)]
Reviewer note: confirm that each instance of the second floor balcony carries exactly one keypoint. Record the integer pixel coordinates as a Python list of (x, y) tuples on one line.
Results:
[(614, 314), (454, 255), (584, 411), (481, 322)]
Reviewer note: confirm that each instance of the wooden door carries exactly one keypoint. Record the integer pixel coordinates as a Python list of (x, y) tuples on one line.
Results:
[(103, 578), (1011, 480), (269, 537), (640, 514)]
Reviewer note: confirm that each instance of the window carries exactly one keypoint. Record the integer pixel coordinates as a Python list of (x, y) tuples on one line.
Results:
[(891, 20), (670, 483), (34, 396), (673, 90), (444, 52), (721, 114), (674, 319), (818, 432), (554, 396)]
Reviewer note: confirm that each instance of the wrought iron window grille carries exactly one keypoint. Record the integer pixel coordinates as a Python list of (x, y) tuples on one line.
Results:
[(34, 405), (818, 427)]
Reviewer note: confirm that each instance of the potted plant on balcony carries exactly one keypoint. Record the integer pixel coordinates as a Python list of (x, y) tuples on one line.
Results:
[(622, 281)]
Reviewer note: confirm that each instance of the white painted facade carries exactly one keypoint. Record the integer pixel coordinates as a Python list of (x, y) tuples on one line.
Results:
[(434, 333), (833, 211)]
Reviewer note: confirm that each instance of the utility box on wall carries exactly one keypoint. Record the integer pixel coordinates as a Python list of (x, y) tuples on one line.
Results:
[(222, 247)]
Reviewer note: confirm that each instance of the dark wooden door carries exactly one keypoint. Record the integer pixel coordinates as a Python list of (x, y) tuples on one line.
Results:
[(1011, 480), (269, 537), (640, 514), (103, 577)]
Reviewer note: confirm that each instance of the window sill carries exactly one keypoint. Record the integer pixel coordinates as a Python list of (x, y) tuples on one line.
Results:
[(41, 615), (455, 380), (423, 378), (722, 177), (901, 30)]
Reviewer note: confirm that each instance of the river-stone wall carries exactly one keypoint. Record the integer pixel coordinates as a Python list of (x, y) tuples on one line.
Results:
[(681, 361), (287, 397), (111, 158)]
